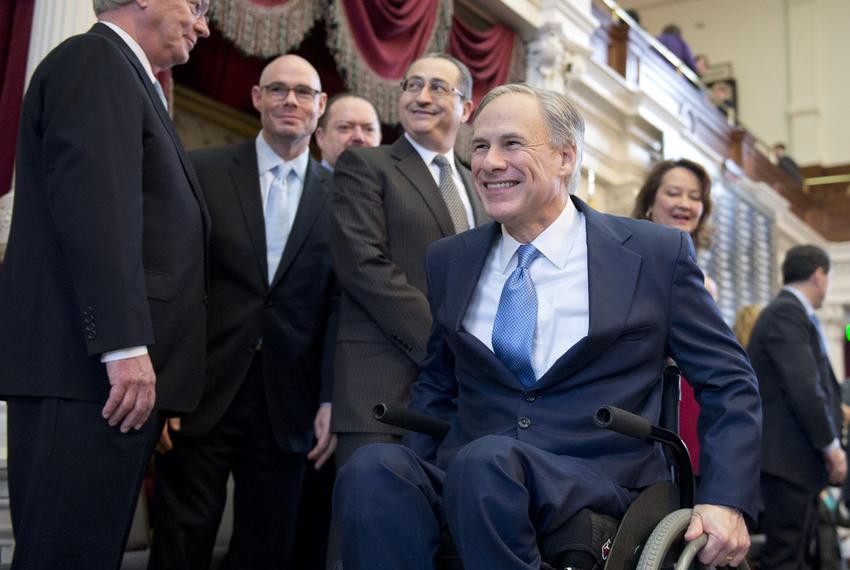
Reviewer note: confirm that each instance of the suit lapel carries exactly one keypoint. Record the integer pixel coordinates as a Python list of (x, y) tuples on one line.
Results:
[(612, 272), (411, 166), (246, 183), (168, 124), (464, 271), (462, 276), (310, 206)]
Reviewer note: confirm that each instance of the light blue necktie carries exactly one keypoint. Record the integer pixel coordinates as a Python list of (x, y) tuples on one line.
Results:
[(158, 87), (816, 322), (277, 218), (516, 319)]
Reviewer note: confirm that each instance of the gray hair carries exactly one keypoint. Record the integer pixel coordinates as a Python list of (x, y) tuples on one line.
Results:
[(101, 6), (564, 123)]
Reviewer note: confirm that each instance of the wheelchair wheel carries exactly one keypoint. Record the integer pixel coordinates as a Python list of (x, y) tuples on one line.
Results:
[(665, 545), (667, 549)]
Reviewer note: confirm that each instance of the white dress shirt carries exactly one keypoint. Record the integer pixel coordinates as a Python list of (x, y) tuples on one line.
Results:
[(560, 280), (428, 158)]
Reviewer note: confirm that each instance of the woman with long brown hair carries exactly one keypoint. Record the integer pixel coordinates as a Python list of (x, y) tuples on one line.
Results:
[(677, 193)]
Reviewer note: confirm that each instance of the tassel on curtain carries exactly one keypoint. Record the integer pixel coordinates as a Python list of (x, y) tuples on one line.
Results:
[(266, 28)]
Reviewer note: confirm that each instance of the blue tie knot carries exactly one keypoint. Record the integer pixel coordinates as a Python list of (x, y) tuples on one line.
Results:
[(525, 255)]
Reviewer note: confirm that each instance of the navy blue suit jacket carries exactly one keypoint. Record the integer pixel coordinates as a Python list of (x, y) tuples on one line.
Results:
[(647, 302)]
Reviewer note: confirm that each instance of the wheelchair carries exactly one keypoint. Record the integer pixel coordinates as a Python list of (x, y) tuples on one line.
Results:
[(650, 534)]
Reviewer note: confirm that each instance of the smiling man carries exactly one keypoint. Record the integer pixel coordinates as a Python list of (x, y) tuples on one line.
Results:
[(102, 289), (388, 204), (539, 318), (272, 295)]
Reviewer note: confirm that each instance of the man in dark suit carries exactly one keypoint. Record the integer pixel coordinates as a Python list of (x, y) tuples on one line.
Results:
[(801, 451), (102, 289), (539, 319), (272, 294), (388, 204)]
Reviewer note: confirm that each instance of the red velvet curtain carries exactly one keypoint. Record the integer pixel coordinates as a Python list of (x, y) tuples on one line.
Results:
[(391, 34), (489, 54), (375, 41), (15, 27)]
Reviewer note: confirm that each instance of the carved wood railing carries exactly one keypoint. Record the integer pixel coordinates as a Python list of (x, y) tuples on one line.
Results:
[(630, 51)]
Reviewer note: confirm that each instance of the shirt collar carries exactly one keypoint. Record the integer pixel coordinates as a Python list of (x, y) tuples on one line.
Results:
[(134, 47), (428, 154), (555, 242), (800, 297), (268, 159), (327, 165)]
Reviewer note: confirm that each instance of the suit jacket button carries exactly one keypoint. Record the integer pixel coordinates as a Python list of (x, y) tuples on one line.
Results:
[(529, 396), (91, 335), (524, 422)]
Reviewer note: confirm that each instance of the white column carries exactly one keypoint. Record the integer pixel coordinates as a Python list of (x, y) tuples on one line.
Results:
[(803, 111), (52, 22)]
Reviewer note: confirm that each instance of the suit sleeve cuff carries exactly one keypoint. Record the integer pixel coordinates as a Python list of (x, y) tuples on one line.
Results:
[(120, 354)]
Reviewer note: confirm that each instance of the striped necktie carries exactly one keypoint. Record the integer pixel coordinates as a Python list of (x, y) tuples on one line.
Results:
[(450, 194)]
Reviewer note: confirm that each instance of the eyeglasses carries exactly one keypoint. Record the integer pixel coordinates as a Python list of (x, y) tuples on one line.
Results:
[(438, 88), (279, 92), (198, 8)]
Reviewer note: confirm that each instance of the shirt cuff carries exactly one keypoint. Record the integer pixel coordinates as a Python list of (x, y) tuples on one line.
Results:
[(834, 444), (122, 353)]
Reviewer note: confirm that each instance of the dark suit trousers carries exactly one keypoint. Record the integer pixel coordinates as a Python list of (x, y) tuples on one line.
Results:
[(191, 490), (789, 521), (73, 483), (495, 497)]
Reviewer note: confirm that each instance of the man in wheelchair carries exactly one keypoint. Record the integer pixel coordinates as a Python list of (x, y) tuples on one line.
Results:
[(539, 318)]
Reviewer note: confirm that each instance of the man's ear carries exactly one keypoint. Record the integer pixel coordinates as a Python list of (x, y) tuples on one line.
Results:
[(466, 110), (256, 96), (569, 156)]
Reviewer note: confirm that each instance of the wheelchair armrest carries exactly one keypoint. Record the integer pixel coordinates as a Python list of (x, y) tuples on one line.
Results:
[(411, 421), (632, 425)]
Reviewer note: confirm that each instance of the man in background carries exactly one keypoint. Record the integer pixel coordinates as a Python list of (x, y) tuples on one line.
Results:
[(801, 449), (349, 120), (272, 295), (102, 291), (787, 163)]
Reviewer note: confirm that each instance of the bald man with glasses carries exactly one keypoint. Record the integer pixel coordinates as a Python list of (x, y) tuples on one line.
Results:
[(387, 205), (265, 410)]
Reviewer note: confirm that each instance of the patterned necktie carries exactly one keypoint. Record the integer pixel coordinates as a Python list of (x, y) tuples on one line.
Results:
[(816, 322), (277, 219), (516, 319), (158, 87), (450, 194)]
